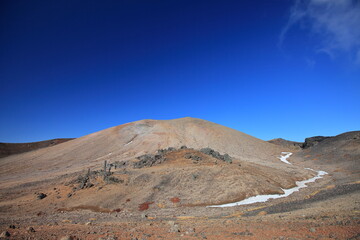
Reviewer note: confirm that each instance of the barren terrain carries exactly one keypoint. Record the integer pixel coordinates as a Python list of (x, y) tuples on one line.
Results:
[(155, 180)]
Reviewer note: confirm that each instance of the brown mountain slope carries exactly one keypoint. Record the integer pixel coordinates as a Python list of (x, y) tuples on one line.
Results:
[(296, 146), (255, 168), (7, 149), (339, 155)]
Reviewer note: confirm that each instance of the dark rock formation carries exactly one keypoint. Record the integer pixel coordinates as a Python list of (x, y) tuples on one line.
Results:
[(215, 154), (312, 141), (41, 196)]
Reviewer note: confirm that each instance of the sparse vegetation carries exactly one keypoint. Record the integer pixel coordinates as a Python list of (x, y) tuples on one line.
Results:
[(148, 160), (216, 154), (194, 157), (91, 178), (112, 179), (107, 174)]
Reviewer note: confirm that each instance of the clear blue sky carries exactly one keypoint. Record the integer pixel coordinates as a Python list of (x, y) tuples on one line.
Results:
[(267, 68)]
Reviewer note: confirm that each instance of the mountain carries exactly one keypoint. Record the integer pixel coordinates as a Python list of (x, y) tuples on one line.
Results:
[(286, 143), (339, 154), (179, 173), (7, 149)]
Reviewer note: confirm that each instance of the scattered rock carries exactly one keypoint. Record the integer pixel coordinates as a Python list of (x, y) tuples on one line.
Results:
[(5, 234), (144, 215), (149, 160), (194, 176), (30, 229), (312, 230), (40, 214), (67, 238), (12, 226), (113, 179), (332, 235), (193, 157), (203, 235), (190, 231), (246, 233), (41, 196), (215, 154), (174, 228), (69, 195), (108, 238)]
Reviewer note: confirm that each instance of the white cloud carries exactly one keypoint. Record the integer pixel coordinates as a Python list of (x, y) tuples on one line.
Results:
[(336, 22)]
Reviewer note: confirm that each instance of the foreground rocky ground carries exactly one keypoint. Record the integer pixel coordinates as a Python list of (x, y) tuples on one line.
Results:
[(234, 226), (324, 210)]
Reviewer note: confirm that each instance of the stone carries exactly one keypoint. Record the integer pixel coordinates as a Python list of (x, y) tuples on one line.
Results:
[(332, 235), (194, 157), (215, 154), (41, 196), (246, 233), (190, 231), (312, 230), (30, 229), (174, 228), (67, 238), (5, 234)]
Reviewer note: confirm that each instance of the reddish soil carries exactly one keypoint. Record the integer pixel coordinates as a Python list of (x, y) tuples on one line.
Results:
[(175, 199), (145, 206)]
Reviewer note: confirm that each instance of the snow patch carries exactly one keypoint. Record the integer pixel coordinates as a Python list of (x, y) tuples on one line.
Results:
[(285, 157), (287, 192)]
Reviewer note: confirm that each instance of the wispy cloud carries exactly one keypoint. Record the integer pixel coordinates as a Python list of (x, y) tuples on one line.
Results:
[(335, 22)]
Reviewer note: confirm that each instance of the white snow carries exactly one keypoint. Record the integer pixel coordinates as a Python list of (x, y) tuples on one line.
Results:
[(285, 157), (128, 143), (287, 192)]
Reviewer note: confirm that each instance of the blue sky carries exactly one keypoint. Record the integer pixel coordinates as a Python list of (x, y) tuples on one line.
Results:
[(271, 69)]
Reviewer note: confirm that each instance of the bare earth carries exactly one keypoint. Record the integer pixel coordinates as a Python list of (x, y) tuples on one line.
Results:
[(169, 199)]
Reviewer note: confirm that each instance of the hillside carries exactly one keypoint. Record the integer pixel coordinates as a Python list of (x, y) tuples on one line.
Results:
[(339, 154), (295, 146), (154, 179), (255, 166), (7, 149)]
